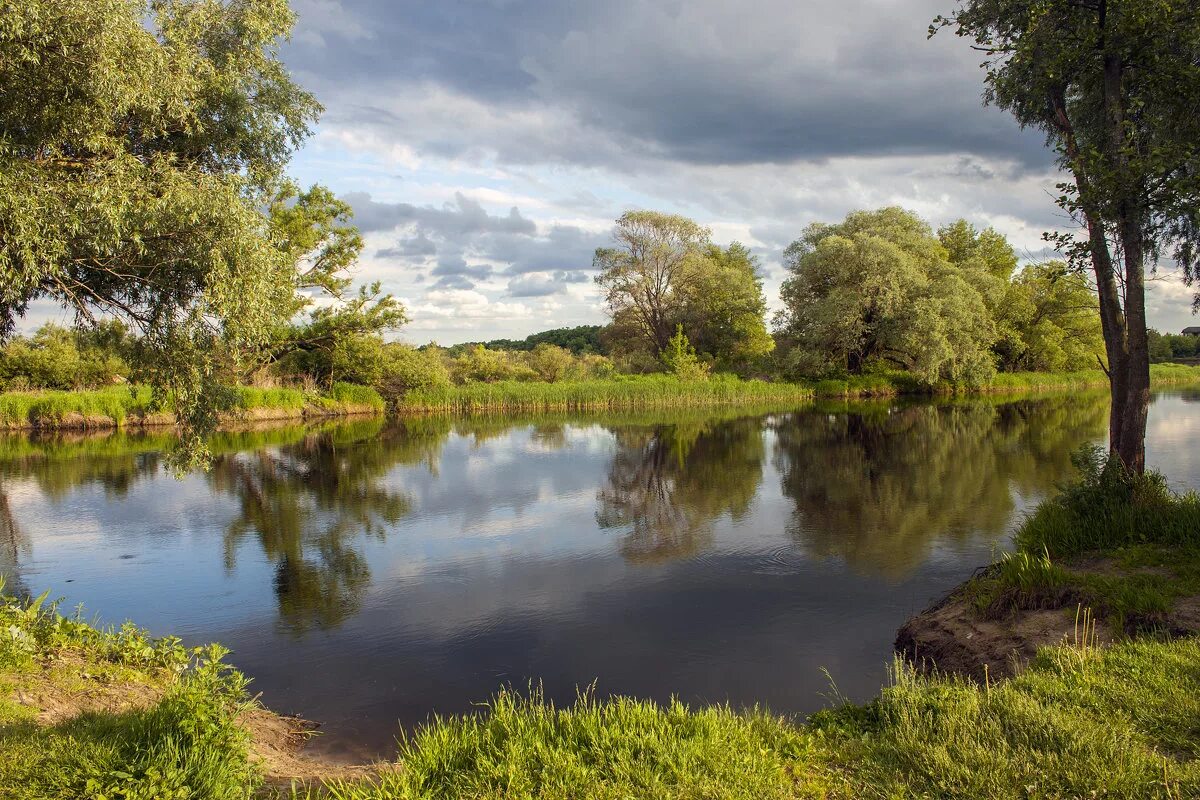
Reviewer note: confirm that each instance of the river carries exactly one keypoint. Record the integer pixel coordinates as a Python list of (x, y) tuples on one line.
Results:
[(368, 574)]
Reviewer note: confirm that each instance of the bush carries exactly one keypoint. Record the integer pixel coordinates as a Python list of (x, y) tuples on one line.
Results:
[(480, 365), (551, 363), (65, 359), (407, 368), (681, 360)]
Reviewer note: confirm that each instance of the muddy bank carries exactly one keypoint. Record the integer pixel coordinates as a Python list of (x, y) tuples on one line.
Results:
[(957, 635)]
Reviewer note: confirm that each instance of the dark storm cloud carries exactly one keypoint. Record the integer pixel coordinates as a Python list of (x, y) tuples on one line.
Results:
[(706, 81)]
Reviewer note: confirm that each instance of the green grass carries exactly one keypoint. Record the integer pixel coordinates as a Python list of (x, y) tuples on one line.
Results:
[(121, 405), (1080, 721), (893, 383), (620, 392), (184, 743)]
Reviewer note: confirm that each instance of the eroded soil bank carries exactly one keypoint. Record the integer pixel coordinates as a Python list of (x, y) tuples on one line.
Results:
[(965, 634)]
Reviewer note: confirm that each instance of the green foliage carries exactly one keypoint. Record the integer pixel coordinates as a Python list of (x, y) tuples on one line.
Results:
[(646, 278), (1110, 508), (139, 143), (59, 358), (188, 744), (679, 357), (480, 365), (880, 289), (1167, 346), (407, 368), (617, 392), (1046, 315), (725, 310), (550, 363), (350, 394), (580, 340)]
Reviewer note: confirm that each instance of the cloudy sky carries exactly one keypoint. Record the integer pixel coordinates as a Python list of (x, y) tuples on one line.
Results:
[(487, 145)]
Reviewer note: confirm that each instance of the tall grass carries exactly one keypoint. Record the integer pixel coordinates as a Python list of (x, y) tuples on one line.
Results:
[(120, 405), (892, 383), (620, 392)]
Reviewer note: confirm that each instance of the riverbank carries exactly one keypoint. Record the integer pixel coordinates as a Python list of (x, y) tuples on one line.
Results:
[(667, 392), (895, 384), (133, 407), (89, 713), (1105, 560)]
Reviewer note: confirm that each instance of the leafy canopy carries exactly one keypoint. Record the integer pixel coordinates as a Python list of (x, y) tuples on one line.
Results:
[(880, 288), (139, 143)]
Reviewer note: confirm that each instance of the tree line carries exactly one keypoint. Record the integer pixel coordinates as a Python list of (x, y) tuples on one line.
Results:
[(143, 179)]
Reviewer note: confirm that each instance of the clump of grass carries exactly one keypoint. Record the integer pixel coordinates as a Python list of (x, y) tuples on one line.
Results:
[(189, 744), (354, 395), (54, 408), (522, 746), (117, 406), (1081, 721), (1109, 509)]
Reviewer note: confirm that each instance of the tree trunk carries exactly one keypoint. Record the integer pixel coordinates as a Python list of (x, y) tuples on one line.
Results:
[(1130, 447)]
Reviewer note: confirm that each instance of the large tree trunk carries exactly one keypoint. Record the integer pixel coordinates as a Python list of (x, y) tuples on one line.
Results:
[(1130, 447)]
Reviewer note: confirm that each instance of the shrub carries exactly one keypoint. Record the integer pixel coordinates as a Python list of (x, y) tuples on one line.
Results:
[(408, 368), (551, 363), (681, 360)]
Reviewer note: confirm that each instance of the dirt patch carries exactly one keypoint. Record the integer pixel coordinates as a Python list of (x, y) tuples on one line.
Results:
[(955, 636), (57, 703), (278, 742)]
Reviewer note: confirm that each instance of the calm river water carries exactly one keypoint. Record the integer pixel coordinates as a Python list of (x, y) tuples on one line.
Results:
[(368, 575)]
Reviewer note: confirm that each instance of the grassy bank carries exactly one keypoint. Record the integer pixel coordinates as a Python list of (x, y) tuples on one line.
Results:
[(620, 392), (665, 391), (121, 406), (891, 384), (114, 714), (1127, 548)]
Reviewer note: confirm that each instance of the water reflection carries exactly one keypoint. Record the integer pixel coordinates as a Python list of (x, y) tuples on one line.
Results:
[(879, 485), (669, 483), (367, 573), (874, 484)]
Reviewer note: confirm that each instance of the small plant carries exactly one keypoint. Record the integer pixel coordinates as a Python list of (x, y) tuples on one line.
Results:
[(681, 360)]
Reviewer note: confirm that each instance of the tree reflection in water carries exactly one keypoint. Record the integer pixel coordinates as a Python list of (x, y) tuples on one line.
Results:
[(311, 502), (879, 486), (669, 483)]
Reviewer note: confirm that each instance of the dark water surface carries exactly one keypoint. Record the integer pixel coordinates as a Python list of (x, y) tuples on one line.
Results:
[(367, 575)]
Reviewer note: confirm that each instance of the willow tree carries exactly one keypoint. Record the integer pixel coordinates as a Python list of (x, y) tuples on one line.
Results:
[(1115, 86), (879, 289), (140, 141)]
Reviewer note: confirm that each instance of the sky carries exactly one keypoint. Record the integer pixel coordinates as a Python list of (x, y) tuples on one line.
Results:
[(487, 146)]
